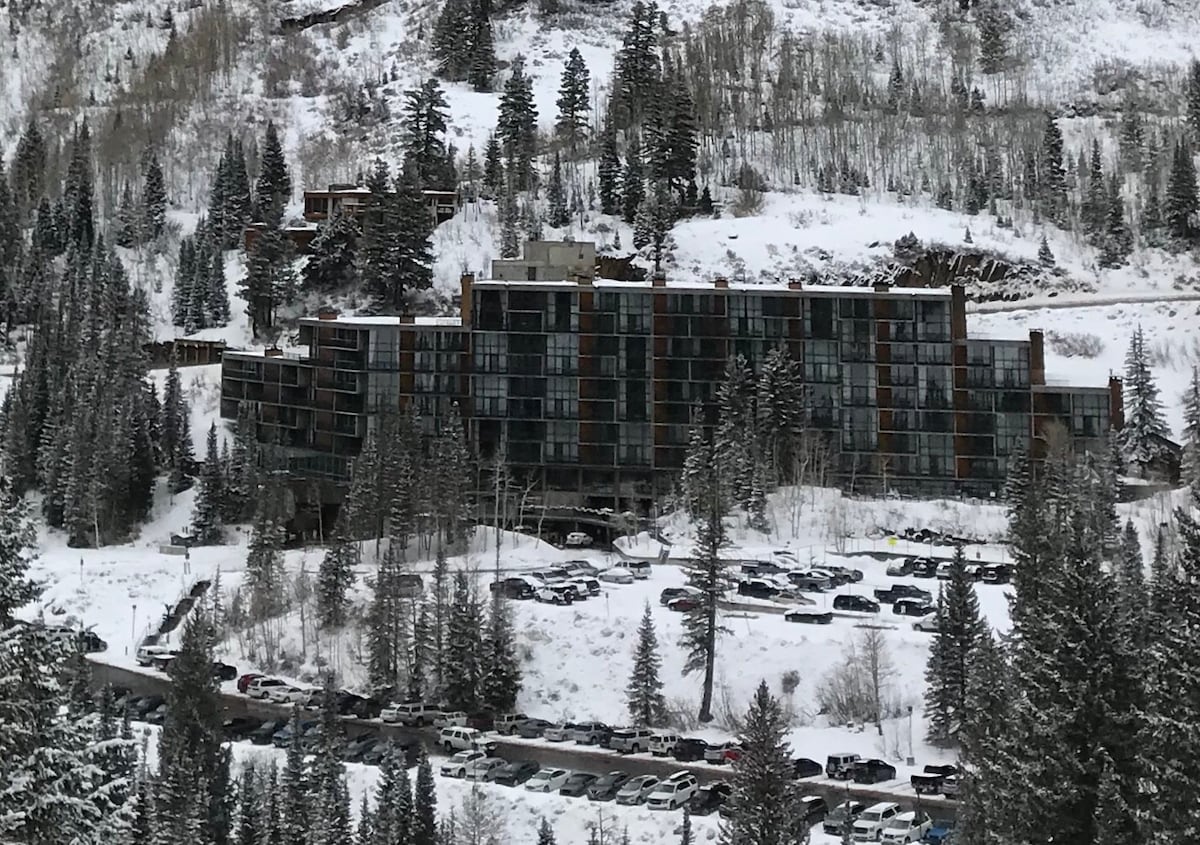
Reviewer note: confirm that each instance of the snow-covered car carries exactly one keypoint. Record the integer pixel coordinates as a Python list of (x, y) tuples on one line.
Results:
[(261, 687), (547, 780), (577, 568), (455, 718), (456, 766), (485, 768), (586, 585), (616, 575), (577, 539), (464, 739), (283, 694), (559, 732), (927, 624), (672, 792), (869, 826), (637, 789), (557, 594), (906, 827), (146, 653)]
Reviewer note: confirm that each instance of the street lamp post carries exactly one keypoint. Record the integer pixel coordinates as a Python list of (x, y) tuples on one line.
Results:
[(910, 735), (132, 625)]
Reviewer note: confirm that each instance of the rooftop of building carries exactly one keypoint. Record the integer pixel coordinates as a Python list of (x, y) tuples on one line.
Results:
[(692, 286), (368, 321)]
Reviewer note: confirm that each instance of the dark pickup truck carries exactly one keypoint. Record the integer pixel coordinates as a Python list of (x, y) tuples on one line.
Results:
[(931, 781), (894, 593)]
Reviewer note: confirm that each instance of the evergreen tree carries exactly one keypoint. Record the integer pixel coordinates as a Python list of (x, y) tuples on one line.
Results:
[(1189, 471), (1144, 421), (127, 220), (610, 173), (78, 192), (207, 526), (333, 263), (218, 292), (701, 625), (463, 668), (424, 823), (378, 246), (1118, 240), (493, 168), (425, 115), (633, 191), (483, 52), (647, 706), (545, 833), (516, 126), (556, 197), (1051, 177), (501, 679), (387, 635), (574, 94), (1181, 203), (175, 438), (413, 270), (335, 577), (654, 220), (960, 631), (294, 795), (392, 822), (1192, 99), (637, 67), (273, 190), (1045, 256), (764, 804), (1096, 198), (510, 246), (154, 198)]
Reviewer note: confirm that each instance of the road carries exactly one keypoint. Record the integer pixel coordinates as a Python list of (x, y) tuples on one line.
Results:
[(566, 756)]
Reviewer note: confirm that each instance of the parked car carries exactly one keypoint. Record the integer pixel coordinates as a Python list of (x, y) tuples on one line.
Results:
[(665, 597), (636, 790), (906, 827), (481, 720), (941, 833), (580, 567), (90, 642), (414, 714), (485, 769), (592, 733), (243, 683), (719, 753), (927, 624), (894, 593), (559, 732), (261, 687), (552, 575), (672, 792), (532, 728), (851, 575), (347, 703), (809, 616), (869, 825), (873, 771), (924, 567), (456, 766), (139, 706), (513, 588), (806, 581), (557, 594), (900, 568), (802, 767), (841, 817), (146, 653), (639, 569), (689, 749), (516, 773), (930, 781), (841, 766), (353, 750), (758, 588), (506, 723), (855, 604), (606, 787), (282, 738), (996, 573), (162, 662), (157, 716), (547, 780), (662, 744), (684, 604), (709, 798), (631, 740), (578, 539), (265, 731), (813, 810), (754, 568), (974, 571), (453, 718), (837, 577), (912, 607), (239, 727), (577, 784), (281, 693), (586, 585), (464, 739), (616, 575), (950, 787), (223, 671)]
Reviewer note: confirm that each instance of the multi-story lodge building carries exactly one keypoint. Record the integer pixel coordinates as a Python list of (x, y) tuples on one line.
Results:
[(589, 384)]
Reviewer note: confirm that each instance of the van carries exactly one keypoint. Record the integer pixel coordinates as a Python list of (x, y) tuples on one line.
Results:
[(841, 766), (639, 568)]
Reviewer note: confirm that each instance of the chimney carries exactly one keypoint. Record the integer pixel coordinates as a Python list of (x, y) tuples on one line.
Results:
[(273, 352), (467, 284), (407, 319), (795, 284), (1116, 403), (958, 312), (327, 314), (1037, 357), (882, 287), (659, 279), (721, 283)]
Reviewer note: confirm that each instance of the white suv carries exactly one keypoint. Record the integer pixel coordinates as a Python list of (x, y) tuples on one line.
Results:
[(673, 792), (631, 740), (663, 744), (464, 739), (869, 826), (261, 687), (419, 714), (906, 827)]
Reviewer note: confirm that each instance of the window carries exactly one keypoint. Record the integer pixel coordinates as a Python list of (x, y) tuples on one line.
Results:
[(562, 354), (562, 441), (821, 321)]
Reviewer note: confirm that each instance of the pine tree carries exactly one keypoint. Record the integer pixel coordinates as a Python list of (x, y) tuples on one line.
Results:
[(335, 578), (960, 631), (510, 237), (610, 172), (1117, 240), (1045, 256), (1189, 470), (516, 126), (545, 833), (1096, 199), (273, 191), (387, 635), (154, 198), (333, 264), (1051, 178), (701, 626), (207, 526), (78, 192), (425, 115), (1192, 99), (556, 197), (218, 292), (1144, 421), (1181, 203), (633, 191), (637, 67), (501, 680), (647, 706), (493, 168), (655, 218), (295, 815), (574, 94), (413, 268), (127, 222), (424, 824), (483, 52), (764, 802)]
